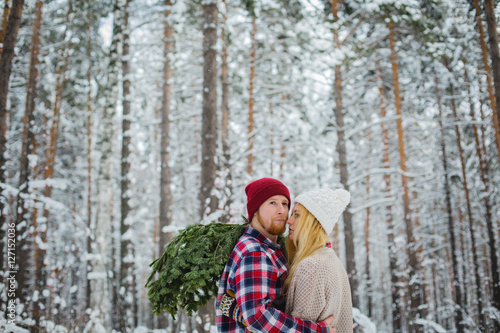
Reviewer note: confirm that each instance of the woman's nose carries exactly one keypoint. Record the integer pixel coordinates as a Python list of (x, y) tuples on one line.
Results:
[(289, 221)]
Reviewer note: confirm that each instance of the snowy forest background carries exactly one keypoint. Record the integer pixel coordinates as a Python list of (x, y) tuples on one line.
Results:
[(123, 121)]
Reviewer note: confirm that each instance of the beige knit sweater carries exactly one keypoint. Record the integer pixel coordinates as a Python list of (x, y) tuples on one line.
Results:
[(320, 288)]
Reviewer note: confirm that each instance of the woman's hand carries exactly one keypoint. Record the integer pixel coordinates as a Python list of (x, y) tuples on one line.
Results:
[(329, 322)]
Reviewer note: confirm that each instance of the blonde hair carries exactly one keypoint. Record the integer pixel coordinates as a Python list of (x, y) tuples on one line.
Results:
[(312, 237)]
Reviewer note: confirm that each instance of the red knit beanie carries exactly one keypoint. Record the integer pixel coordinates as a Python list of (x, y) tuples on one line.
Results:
[(262, 189)]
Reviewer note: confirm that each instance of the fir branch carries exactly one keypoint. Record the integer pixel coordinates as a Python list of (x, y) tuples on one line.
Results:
[(191, 266)]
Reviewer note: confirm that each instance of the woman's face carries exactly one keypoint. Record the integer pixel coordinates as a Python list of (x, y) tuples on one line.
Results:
[(293, 222)]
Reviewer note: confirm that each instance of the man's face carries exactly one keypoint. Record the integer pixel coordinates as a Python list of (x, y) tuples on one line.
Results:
[(272, 216)]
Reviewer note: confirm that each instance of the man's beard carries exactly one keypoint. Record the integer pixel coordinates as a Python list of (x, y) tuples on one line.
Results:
[(275, 228)]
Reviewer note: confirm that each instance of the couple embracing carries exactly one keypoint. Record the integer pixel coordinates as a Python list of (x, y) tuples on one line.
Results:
[(261, 291)]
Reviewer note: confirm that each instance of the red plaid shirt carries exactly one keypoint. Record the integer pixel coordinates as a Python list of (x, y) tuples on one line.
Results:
[(256, 271)]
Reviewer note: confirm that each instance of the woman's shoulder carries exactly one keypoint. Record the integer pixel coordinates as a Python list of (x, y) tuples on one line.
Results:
[(319, 260)]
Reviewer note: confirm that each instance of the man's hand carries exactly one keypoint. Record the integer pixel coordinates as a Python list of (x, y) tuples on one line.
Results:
[(329, 322)]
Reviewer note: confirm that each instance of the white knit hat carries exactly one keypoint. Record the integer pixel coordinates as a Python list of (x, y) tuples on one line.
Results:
[(326, 205)]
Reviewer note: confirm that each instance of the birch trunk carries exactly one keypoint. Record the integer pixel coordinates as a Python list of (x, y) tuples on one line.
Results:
[(414, 265)]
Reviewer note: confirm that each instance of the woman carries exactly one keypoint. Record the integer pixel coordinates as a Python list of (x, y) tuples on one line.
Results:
[(317, 285)]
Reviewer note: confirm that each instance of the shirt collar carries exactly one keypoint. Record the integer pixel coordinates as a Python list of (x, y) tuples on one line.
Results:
[(261, 238)]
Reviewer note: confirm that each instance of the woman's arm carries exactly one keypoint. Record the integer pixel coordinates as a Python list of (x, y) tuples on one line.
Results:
[(307, 292)]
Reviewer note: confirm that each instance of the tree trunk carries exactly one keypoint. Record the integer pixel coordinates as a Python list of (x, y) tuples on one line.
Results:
[(165, 171), (89, 155), (208, 203), (6, 56), (489, 10), (157, 250), (282, 159), (386, 162), (483, 171), (495, 65), (435, 274), (113, 269), (414, 265), (28, 146), (344, 174), (367, 234), (487, 68), (51, 152), (251, 99), (3, 120), (456, 283), (420, 254), (127, 296), (271, 140), (63, 61), (465, 258), (225, 121), (5, 19), (101, 231), (39, 240)]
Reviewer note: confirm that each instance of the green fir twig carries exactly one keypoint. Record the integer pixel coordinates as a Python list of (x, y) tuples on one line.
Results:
[(191, 266), (188, 272)]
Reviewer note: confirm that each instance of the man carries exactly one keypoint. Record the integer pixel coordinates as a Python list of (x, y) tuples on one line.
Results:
[(257, 267)]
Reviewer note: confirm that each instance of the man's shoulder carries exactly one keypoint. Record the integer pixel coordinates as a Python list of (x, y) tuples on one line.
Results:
[(248, 244)]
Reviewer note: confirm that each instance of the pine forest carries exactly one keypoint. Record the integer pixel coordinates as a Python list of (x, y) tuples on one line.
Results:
[(123, 122)]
